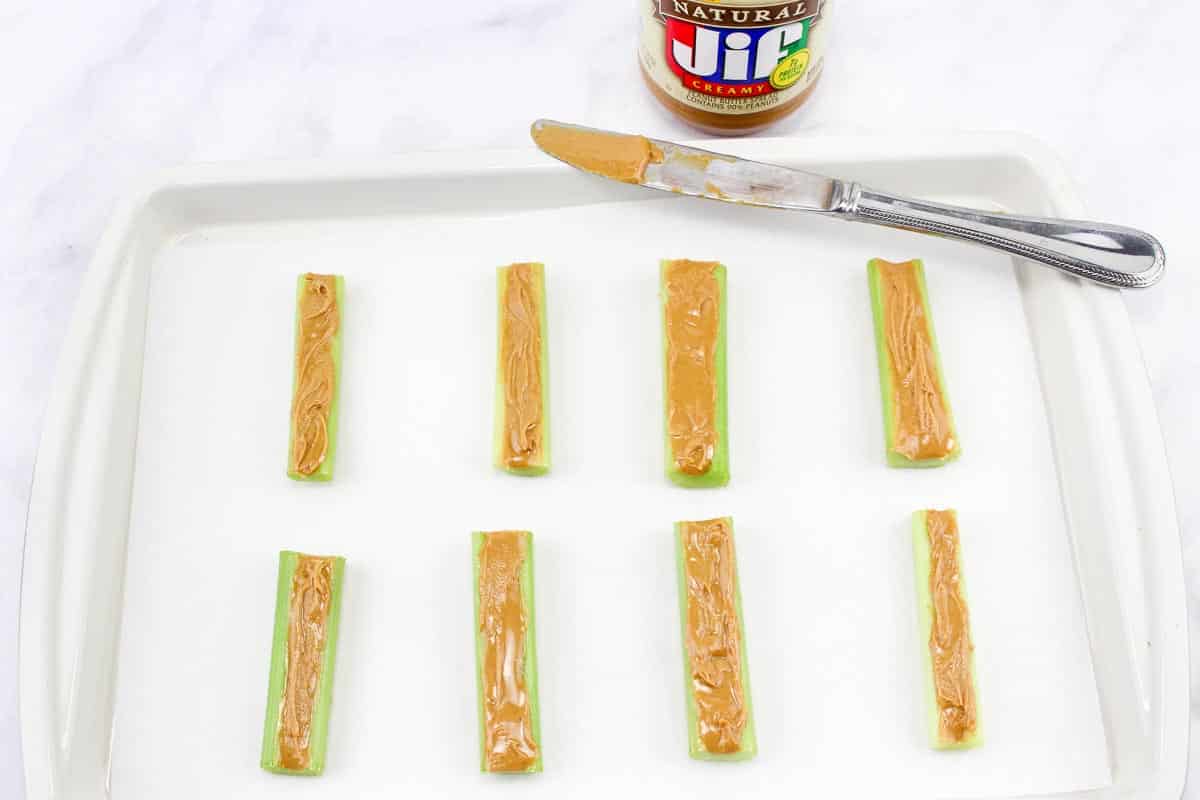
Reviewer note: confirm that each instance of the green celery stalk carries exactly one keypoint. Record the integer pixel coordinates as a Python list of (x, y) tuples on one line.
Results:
[(288, 561), (696, 747), (921, 563), (325, 471), (895, 459), (531, 675), (542, 464), (718, 471)]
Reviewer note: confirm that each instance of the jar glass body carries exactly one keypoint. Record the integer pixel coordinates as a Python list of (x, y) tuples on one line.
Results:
[(736, 66)]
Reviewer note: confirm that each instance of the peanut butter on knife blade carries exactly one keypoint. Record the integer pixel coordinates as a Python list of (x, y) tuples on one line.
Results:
[(619, 156)]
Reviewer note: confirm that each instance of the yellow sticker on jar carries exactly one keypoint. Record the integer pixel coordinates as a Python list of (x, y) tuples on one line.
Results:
[(790, 70)]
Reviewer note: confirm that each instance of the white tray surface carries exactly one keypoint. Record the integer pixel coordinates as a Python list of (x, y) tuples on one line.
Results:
[(821, 523)]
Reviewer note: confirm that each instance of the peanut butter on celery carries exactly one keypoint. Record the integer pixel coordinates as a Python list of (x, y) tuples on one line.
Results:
[(923, 426), (693, 324), (950, 636), (503, 619), (316, 372), (713, 636), (522, 436), (308, 616)]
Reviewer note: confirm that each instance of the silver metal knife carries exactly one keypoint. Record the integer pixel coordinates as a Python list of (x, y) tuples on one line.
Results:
[(1112, 255)]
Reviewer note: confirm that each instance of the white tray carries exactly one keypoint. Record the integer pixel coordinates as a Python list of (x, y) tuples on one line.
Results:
[(159, 500)]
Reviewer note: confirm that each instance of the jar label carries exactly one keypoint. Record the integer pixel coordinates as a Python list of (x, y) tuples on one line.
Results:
[(732, 57)]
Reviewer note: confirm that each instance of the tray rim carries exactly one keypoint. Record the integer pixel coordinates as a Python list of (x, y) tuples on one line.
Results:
[(44, 747)]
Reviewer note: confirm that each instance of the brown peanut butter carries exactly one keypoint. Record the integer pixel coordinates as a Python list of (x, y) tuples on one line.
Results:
[(503, 618), (692, 318), (923, 428), (308, 614), (950, 635), (316, 372), (521, 367), (714, 637), (622, 157)]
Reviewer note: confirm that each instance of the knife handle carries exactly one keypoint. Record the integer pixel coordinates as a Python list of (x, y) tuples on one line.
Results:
[(1112, 255)]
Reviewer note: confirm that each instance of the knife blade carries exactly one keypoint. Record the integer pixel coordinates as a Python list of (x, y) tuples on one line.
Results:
[(1112, 255), (671, 167)]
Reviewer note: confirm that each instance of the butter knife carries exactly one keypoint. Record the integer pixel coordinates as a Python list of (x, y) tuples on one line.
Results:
[(1112, 255)]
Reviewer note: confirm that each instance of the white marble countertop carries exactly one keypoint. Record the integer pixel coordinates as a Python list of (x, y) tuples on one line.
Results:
[(97, 94)]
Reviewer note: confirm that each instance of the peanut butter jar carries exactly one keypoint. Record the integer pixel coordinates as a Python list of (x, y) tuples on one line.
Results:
[(732, 67)]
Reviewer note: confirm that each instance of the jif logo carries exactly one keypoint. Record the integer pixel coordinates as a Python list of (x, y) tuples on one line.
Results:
[(738, 55), (738, 51)]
